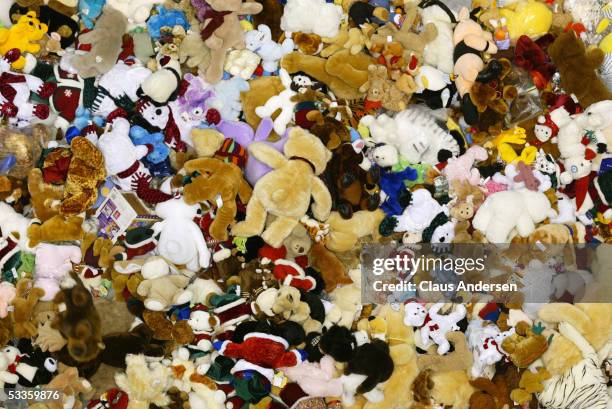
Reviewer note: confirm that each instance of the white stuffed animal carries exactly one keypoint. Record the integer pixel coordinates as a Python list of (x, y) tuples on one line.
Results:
[(597, 118), (227, 97), (260, 41), (12, 222), (312, 16), (5, 375), (419, 213), (5, 18), (242, 63), (181, 241), (510, 172), (502, 212), (202, 289), (203, 325), (433, 326), (485, 342), (439, 52), (281, 101), (415, 134), (136, 11), (120, 155)]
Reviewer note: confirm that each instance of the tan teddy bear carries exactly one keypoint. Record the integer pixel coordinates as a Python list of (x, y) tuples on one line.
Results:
[(286, 191)]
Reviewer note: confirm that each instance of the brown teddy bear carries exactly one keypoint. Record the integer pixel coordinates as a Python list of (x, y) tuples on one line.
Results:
[(261, 90), (85, 173), (352, 188), (332, 270), (24, 303), (217, 178), (286, 191), (490, 394), (166, 330), (343, 72), (221, 30), (382, 92), (578, 68), (253, 278), (73, 388), (78, 321), (44, 197), (57, 228), (309, 44), (331, 131)]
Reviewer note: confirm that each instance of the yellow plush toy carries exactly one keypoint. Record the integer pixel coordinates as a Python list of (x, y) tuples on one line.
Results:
[(23, 36), (531, 18), (514, 136)]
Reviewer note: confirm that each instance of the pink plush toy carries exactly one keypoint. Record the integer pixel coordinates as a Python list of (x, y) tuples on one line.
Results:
[(53, 263), (461, 168), (7, 294), (316, 378)]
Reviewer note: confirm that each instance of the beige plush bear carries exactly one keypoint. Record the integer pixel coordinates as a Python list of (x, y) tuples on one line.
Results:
[(286, 191), (160, 288)]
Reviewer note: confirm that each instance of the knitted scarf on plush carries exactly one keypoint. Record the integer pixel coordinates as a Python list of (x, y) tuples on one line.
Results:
[(142, 186), (216, 21)]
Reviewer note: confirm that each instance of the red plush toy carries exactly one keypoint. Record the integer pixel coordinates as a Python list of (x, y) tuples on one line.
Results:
[(532, 57), (261, 349)]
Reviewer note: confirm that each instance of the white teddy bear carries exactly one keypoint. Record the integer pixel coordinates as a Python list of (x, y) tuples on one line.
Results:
[(203, 325), (504, 211), (260, 41), (281, 101), (439, 52), (433, 326), (181, 241)]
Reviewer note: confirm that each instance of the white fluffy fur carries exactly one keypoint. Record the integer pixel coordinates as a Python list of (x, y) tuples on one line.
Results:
[(312, 16), (439, 52), (414, 133)]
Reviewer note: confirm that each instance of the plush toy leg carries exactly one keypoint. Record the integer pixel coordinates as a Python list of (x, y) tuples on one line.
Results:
[(225, 215), (278, 231), (254, 222), (524, 225)]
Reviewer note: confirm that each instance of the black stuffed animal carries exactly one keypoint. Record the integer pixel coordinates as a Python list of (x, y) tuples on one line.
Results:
[(372, 360), (339, 343)]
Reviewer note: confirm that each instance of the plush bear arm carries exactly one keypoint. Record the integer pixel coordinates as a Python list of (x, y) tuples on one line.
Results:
[(250, 8), (144, 287), (178, 280), (91, 37), (267, 154), (594, 58), (322, 199), (33, 48), (141, 151)]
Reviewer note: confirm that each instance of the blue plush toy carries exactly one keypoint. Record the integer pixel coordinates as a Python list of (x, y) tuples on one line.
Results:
[(392, 183), (166, 18), (141, 136), (90, 10), (83, 118)]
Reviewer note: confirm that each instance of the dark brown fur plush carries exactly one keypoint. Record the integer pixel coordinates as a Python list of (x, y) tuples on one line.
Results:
[(270, 16), (577, 67), (79, 322)]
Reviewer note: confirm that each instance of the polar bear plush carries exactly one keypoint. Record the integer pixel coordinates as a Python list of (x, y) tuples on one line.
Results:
[(521, 210)]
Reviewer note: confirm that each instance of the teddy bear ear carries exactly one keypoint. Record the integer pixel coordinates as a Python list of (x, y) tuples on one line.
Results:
[(464, 14)]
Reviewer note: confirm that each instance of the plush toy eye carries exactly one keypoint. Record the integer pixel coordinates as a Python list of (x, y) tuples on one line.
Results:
[(574, 169), (198, 111), (50, 364)]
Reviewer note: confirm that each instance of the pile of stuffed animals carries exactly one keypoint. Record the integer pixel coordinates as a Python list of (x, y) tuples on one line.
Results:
[(187, 186)]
